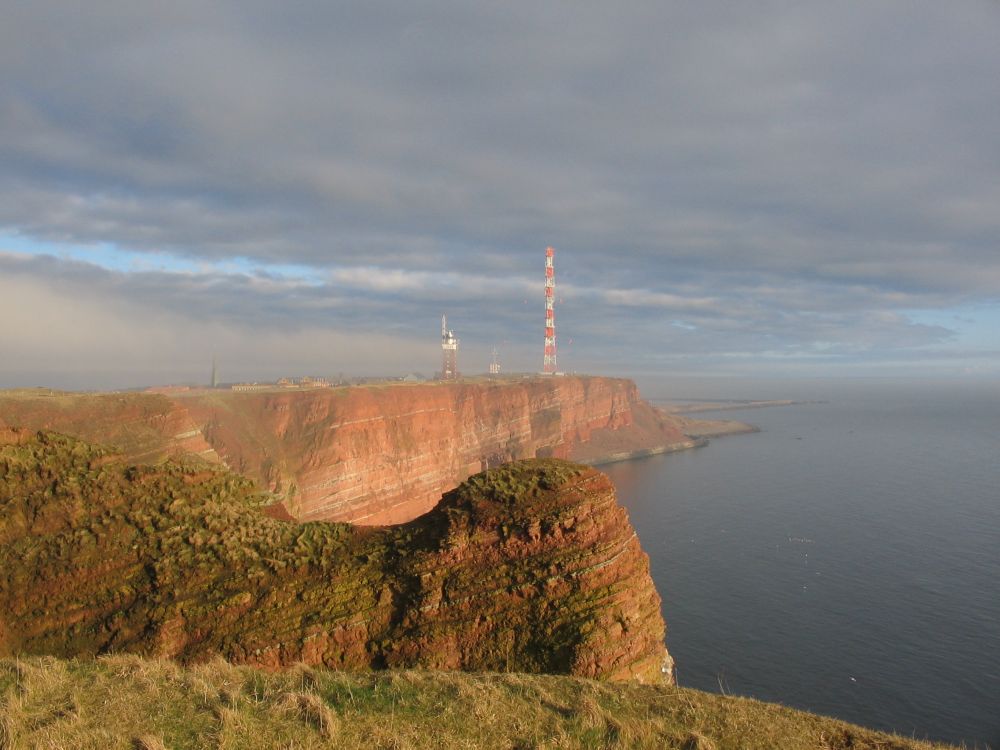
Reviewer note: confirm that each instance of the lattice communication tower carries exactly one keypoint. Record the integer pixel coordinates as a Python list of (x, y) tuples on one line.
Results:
[(549, 361)]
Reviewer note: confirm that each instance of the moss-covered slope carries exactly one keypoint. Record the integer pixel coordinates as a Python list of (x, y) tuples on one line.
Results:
[(531, 567)]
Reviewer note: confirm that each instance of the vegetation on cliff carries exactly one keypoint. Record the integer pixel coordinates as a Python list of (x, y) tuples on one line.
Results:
[(530, 567), (127, 702)]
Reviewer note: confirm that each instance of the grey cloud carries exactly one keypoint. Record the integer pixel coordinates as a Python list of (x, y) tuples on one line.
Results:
[(782, 177)]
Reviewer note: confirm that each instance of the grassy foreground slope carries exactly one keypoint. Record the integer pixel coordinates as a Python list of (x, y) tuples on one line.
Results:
[(131, 702)]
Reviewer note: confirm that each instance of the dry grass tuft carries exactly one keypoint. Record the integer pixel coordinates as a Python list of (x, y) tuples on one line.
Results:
[(305, 675), (6, 733), (620, 734), (589, 712), (385, 739), (846, 739), (13, 672), (149, 742), (697, 741), (313, 710)]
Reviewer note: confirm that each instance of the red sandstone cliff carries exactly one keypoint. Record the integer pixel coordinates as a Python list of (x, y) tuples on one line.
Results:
[(369, 455), (377, 455)]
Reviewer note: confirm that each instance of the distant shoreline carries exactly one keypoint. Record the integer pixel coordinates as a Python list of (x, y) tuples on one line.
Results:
[(613, 458), (700, 434), (701, 406)]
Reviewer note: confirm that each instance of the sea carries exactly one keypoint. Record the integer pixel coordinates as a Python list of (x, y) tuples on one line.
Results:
[(844, 560)]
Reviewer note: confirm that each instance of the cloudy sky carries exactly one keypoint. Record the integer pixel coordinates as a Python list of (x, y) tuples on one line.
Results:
[(752, 189)]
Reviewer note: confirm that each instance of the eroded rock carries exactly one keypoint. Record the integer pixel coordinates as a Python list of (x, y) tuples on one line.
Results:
[(530, 567)]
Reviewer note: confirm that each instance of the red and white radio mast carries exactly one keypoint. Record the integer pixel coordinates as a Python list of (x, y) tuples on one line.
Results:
[(549, 363)]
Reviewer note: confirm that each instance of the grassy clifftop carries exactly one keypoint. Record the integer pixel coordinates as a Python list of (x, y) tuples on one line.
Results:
[(128, 702)]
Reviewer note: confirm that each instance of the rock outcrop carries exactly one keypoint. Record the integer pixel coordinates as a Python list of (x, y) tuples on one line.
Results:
[(529, 567)]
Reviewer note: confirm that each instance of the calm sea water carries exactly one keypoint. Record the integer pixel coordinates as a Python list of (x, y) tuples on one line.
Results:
[(845, 560)]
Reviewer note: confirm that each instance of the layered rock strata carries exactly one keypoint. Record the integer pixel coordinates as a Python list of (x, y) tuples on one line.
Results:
[(528, 567), (380, 455), (365, 455)]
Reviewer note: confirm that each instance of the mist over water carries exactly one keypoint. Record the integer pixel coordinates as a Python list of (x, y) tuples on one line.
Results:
[(844, 560)]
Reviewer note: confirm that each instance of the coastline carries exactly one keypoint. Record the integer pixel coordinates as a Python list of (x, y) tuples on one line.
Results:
[(613, 458), (712, 428), (698, 430), (672, 407)]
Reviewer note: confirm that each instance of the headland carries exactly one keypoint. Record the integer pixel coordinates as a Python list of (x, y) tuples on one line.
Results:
[(374, 454)]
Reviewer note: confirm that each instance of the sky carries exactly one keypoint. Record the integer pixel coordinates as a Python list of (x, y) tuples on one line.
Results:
[(768, 189)]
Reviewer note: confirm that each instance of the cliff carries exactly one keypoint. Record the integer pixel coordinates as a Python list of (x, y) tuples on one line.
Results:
[(365, 455), (376, 455), (144, 426), (530, 567)]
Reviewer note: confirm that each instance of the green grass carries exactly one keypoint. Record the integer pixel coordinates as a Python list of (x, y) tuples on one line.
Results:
[(130, 702)]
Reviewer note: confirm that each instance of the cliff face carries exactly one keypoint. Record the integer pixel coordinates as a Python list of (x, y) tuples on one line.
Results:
[(385, 454), (364, 455), (530, 567), (145, 427)]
